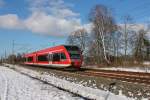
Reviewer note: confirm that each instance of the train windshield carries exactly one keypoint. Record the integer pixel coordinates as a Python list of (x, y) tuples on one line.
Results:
[(74, 52), (72, 48), (74, 56)]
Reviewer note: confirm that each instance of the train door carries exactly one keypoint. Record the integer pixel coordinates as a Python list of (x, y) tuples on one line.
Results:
[(59, 59), (55, 58), (50, 57), (63, 58)]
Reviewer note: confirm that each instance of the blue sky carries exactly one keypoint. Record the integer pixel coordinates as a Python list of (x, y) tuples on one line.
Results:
[(36, 24)]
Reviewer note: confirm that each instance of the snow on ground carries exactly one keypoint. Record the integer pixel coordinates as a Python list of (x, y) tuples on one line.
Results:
[(15, 86), (132, 69), (146, 63), (79, 89), (121, 68)]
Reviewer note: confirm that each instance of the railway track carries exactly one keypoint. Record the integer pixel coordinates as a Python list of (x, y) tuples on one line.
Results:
[(134, 77), (131, 77)]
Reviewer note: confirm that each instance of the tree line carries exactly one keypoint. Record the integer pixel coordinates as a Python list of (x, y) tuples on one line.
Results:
[(110, 43), (13, 59)]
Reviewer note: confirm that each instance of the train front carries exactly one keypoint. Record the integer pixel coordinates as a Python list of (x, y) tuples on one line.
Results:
[(75, 56)]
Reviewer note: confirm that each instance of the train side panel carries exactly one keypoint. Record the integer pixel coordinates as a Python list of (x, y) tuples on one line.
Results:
[(57, 57)]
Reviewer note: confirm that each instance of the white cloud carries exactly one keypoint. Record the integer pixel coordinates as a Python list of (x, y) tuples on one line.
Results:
[(48, 17), (88, 27), (50, 25), (10, 21), (54, 7), (41, 23), (64, 13)]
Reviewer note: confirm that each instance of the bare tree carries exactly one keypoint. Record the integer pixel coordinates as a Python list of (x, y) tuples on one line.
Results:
[(115, 46), (79, 38), (104, 25), (147, 45), (142, 44), (128, 36), (126, 28), (71, 39)]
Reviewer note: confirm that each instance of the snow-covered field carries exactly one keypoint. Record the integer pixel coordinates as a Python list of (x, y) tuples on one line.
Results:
[(79, 89), (15, 86)]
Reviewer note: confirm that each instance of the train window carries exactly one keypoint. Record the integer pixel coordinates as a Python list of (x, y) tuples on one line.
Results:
[(43, 57), (63, 56), (56, 57), (72, 48), (74, 56), (24, 59), (50, 57), (30, 59)]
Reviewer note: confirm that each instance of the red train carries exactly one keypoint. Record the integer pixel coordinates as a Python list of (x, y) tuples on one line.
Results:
[(58, 57)]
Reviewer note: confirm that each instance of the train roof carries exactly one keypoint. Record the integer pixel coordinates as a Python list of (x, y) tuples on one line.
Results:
[(54, 47)]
